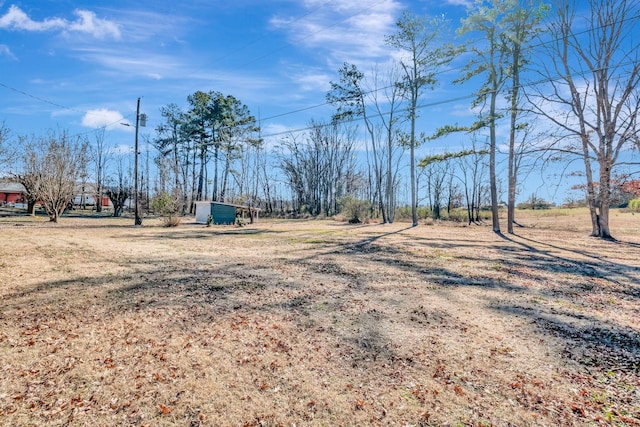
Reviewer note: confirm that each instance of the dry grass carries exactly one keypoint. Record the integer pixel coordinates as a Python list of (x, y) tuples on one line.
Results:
[(319, 323)]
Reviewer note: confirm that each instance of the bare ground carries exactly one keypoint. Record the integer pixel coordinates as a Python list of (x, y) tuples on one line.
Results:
[(319, 323)]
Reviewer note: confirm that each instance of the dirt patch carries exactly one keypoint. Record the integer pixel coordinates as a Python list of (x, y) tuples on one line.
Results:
[(319, 323)]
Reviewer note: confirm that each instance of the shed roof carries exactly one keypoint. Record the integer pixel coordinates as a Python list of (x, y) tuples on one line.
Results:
[(232, 205)]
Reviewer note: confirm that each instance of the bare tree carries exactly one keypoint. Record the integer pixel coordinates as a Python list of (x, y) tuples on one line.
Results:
[(248, 176), (436, 174), (29, 175), (351, 101), (488, 61), (391, 150), (354, 95), (6, 156), (592, 66), (318, 167), (120, 187), (265, 171), (424, 53), (100, 154), (472, 174), (522, 20), (53, 164), (10, 155), (439, 173)]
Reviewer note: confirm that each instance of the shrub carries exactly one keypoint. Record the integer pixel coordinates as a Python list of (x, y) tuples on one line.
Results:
[(455, 215), (535, 203), (403, 213), (634, 205), (167, 207), (355, 210)]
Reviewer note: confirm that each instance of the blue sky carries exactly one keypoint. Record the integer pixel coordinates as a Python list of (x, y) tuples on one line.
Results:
[(81, 65)]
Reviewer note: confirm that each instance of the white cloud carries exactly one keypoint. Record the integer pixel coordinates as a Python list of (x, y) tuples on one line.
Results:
[(272, 133), (87, 22), (104, 118), (313, 81), (16, 19), (466, 3), (464, 110), (4, 50), (163, 66), (143, 25), (349, 31), (132, 62)]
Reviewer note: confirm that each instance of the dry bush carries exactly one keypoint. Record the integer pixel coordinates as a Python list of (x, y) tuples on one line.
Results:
[(171, 221)]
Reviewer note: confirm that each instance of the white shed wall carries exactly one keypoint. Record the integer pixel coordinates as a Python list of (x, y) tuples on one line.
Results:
[(203, 210)]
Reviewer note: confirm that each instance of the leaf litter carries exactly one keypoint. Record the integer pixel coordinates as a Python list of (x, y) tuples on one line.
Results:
[(367, 325)]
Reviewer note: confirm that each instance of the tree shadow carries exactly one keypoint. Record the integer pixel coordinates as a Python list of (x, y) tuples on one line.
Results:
[(593, 265), (201, 233), (223, 288), (588, 340)]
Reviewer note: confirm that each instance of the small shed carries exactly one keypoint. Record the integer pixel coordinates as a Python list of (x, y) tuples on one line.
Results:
[(221, 213)]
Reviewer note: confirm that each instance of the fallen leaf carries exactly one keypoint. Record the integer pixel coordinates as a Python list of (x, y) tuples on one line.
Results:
[(164, 410), (459, 391)]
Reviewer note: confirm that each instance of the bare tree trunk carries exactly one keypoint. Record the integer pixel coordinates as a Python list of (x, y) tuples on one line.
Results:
[(201, 174), (511, 198), (194, 176), (591, 193), (604, 199), (225, 176), (492, 166), (214, 192), (412, 160), (31, 207)]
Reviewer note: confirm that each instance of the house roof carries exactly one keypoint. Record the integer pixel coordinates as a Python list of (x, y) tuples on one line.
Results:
[(8, 186)]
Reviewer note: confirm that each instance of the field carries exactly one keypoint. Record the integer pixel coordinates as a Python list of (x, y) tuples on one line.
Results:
[(319, 323)]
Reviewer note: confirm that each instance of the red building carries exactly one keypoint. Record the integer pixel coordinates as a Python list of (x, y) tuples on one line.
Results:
[(11, 192)]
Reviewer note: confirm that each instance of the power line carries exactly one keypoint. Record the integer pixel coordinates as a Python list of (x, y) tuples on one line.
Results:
[(262, 120), (440, 102), (46, 101), (37, 98), (457, 68), (314, 11), (104, 127)]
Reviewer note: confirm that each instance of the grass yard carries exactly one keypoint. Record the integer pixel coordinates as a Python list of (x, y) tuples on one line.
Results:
[(319, 323)]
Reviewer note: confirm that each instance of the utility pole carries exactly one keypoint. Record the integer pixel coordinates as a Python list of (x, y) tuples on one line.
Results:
[(141, 120), (138, 219)]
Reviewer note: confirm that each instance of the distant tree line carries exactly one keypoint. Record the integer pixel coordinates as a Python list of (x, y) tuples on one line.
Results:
[(214, 129)]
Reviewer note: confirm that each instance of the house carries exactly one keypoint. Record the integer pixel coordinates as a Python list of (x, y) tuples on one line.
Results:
[(11, 192), (222, 213), (85, 195)]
